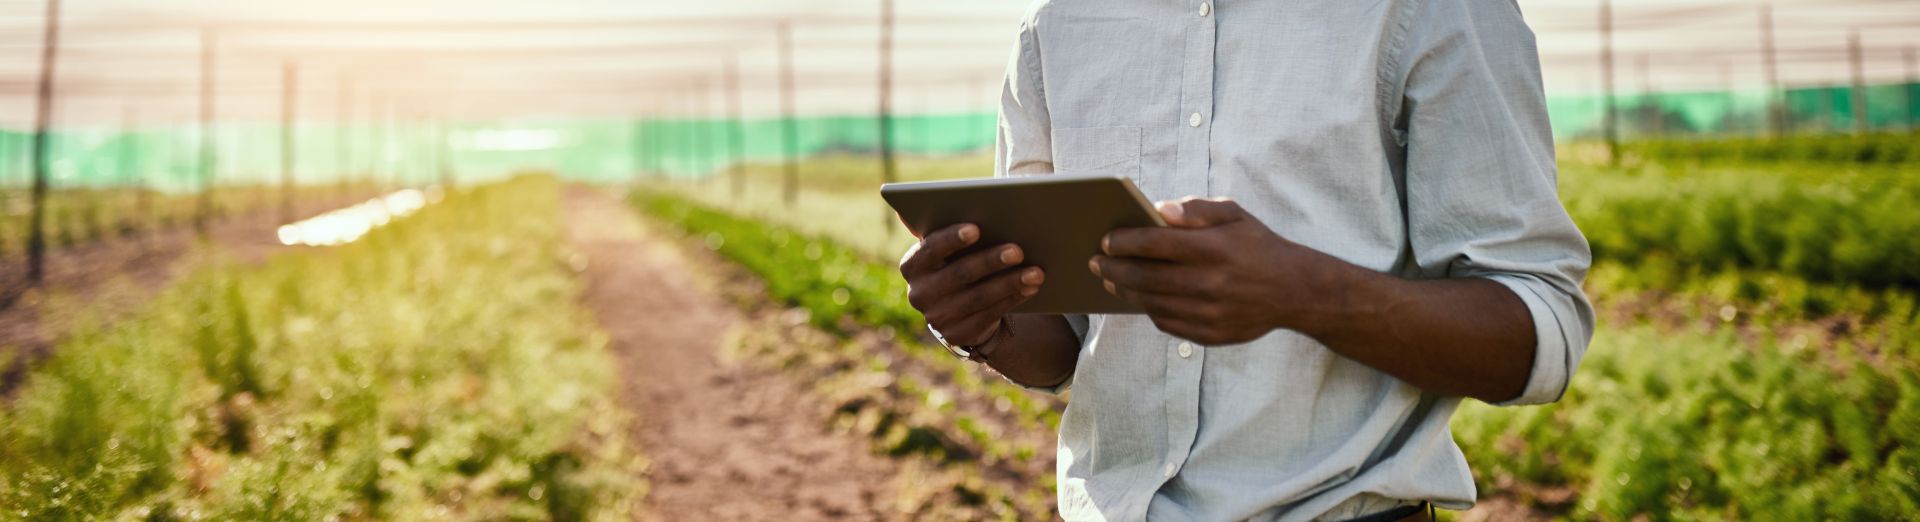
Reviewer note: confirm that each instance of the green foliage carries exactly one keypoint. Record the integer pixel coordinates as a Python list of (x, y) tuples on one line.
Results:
[(834, 284), (1849, 225), (1878, 148), (1705, 426), (438, 367)]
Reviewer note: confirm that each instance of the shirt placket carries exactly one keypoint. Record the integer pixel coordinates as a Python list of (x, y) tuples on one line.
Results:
[(1184, 359)]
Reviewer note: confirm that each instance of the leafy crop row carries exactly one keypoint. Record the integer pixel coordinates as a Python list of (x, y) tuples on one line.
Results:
[(1707, 426), (1881, 148), (1840, 225), (437, 368), (841, 289)]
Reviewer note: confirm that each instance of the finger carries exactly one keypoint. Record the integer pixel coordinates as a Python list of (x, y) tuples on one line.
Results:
[(908, 226), (986, 320), (1193, 212), (971, 268), (934, 249), (984, 294), (1185, 308), (1145, 275), (1185, 329), (1173, 244)]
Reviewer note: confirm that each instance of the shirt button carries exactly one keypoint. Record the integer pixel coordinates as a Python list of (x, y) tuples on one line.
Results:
[(1186, 350), (1193, 120), (1171, 469), (1206, 8)]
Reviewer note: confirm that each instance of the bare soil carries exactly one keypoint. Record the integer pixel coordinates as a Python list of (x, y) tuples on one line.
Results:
[(727, 441)]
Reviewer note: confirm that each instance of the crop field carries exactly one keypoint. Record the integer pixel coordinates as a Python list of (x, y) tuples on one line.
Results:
[(438, 368), (579, 260), (1756, 355)]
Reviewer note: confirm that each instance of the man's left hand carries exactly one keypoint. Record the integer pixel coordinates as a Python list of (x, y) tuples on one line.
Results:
[(1216, 275)]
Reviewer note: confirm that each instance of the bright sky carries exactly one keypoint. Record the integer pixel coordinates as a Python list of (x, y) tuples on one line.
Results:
[(522, 58)]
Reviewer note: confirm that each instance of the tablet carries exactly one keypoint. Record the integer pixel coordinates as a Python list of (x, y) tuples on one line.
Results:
[(1057, 220)]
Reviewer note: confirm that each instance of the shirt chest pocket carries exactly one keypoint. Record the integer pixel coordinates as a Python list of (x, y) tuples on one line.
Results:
[(1098, 150)]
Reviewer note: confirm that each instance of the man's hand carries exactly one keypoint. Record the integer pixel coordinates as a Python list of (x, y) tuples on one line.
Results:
[(965, 298), (1217, 275)]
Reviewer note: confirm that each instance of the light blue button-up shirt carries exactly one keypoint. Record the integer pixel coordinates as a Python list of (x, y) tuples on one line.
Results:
[(1405, 136)]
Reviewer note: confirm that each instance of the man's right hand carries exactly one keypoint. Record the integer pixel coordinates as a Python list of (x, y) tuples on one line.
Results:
[(966, 298)]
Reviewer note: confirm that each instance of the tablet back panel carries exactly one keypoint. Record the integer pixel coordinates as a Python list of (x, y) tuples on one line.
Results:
[(1057, 219)]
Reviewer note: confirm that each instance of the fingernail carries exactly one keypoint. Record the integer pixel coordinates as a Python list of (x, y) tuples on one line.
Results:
[(1032, 277), (1028, 291), (1093, 265), (1103, 245), (1010, 256), (1171, 211), (968, 233), (1110, 288)]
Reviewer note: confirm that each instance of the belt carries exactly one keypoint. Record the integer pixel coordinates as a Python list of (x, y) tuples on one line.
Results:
[(1412, 513)]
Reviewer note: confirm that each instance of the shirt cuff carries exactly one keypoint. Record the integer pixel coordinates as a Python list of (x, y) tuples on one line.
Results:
[(1553, 358)]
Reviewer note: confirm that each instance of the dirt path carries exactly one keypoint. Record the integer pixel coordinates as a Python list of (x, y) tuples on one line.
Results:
[(728, 442)]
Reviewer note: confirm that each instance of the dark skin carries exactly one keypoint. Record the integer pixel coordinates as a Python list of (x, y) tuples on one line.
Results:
[(1216, 275)]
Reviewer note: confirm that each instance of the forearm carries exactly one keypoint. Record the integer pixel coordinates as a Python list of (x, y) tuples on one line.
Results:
[(1035, 350), (1467, 337)]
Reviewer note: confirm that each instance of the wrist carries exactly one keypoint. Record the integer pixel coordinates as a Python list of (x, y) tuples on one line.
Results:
[(1339, 297), (977, 351)]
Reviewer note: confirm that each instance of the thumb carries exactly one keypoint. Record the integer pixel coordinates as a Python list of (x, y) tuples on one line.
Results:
[(1191, 212)]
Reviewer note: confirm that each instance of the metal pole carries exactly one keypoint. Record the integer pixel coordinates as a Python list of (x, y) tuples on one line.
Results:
[(1913, 115), (289, 91), (638, 144), (736, 140), (1609, 117), (1776, 110), (383, 143), (42, 122), (1859, 90), (208, 155), (790, 132), (980, 103), (1726, 87), (142, 198), (702, 135), (343, 133), (1649, 104), (688, 131), (887, 164), (443, 151)]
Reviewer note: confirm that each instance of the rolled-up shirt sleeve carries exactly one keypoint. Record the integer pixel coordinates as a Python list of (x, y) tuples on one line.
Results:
[(1481, 180)]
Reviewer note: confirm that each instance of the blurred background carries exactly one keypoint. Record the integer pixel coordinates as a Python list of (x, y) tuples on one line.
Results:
[(1746, 171)]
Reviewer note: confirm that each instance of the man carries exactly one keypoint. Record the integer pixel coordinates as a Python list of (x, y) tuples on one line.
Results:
[(1380, 236)]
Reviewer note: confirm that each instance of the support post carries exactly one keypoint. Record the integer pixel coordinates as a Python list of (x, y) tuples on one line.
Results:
[(790, 131), (203, 212), (1858, 91), (736, 140), (1912, 77), (887, 164), (289, 94), (343, 134), (42, 124), (1610, 115), (1776, 108)]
